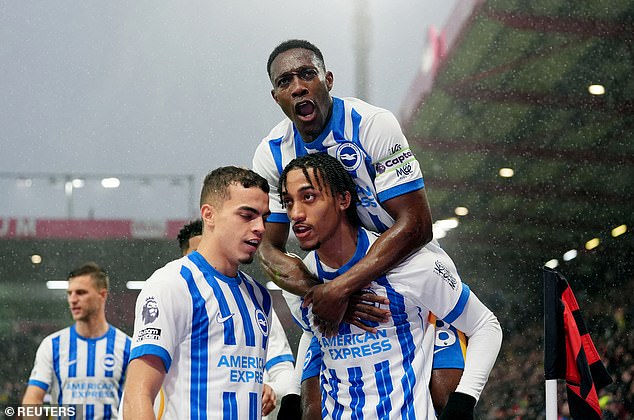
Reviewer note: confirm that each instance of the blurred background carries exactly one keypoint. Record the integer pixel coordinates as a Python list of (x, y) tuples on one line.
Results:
[(521, 114)]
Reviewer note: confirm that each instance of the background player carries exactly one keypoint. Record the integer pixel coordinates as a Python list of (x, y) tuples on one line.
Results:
[(279, 368), (370, 144), (84, 364), (206, 337), (382, 375)]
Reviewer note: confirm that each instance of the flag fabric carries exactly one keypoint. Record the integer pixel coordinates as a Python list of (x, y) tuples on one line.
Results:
[(568, 349)]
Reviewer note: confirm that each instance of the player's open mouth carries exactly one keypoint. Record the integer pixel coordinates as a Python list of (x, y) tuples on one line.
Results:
[(305, 109), (301, 230), (253, 242)]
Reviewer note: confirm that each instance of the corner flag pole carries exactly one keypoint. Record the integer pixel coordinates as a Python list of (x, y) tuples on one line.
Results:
[(550, 343), (551, 399)]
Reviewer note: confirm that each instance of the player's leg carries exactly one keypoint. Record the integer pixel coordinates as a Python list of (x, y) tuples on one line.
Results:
[(448, 361)]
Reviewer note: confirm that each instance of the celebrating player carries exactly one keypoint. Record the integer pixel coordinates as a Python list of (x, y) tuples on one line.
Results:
[(370, 144), (84, 364), (279, 368), (206, 338), (384, 374)]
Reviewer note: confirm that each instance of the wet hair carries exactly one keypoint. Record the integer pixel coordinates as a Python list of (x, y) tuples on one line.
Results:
[(216, 185), (331, 172), (292, 44), (99, 277), (191, 229)]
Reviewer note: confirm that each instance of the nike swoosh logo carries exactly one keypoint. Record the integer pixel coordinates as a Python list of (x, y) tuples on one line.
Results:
[(222, 319), (441, 349), (72, 362)]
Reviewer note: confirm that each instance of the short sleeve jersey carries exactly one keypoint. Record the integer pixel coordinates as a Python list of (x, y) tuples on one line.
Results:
[(367, 375), (87, 372), (370, 144), (211, 332)]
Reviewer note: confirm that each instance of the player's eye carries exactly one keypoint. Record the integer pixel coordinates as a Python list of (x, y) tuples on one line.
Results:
[(308, 74), (283, 81)]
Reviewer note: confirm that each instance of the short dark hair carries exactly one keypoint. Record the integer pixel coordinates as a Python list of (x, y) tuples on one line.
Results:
[(292, 44), (332, 173), (191, 229), (216, 184), (99, 277)]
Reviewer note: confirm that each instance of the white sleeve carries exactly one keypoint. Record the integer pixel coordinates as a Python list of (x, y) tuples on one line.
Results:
[(431, 280), (299, 314), (485, 339), (304, 343), (279, 359), (42, 373), (397, 170), (162, 317), (264, 164)]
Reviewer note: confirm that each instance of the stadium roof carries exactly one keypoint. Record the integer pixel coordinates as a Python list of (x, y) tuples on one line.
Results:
[(506, 85)]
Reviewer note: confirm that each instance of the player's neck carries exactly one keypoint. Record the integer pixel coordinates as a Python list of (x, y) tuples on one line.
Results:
[(93, 327), (340, 248), (216, 258)]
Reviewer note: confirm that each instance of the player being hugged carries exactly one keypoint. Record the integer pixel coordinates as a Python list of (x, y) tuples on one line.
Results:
[(202, 326), (383, 374)]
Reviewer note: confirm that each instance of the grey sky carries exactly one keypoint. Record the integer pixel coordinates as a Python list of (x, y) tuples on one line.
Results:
[(158, 88)]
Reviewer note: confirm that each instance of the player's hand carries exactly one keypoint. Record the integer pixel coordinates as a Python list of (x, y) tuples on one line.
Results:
[(329, 303), (268, 400), (366, 307), (292, 275), (459, 407)]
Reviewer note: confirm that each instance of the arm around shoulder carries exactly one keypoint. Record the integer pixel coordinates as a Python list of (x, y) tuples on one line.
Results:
[(285, 270)]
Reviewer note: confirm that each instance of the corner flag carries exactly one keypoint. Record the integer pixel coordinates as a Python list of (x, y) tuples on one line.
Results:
[(568, 349)]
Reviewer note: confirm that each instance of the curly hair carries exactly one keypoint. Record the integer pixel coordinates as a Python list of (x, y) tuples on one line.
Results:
[(191, 229)]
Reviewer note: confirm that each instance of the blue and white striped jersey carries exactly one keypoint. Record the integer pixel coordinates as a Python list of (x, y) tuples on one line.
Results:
[(88, 372), (386, 375), (211, 332), (370, 144)]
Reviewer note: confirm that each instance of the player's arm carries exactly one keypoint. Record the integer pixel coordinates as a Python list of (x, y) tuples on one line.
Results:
[(411, 231), (285, 270), (33, 395), (485, 339), (311, 399), (269, 400), (41, 376), (279, 380), (144, 379)]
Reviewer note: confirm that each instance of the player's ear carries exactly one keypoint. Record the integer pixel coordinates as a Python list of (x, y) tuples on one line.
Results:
[(207, 213), (344, 200), (274, 96), (330, 80)]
